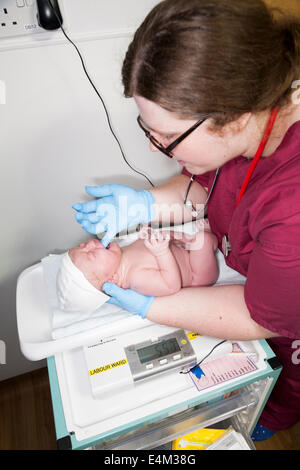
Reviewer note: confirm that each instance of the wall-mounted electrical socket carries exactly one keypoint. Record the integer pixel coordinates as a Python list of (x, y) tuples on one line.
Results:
[(18, 18)]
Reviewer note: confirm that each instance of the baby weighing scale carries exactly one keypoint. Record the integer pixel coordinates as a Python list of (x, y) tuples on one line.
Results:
[(125, 374), (119, 362)]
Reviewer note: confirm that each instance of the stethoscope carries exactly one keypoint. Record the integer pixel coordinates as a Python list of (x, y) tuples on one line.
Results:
[(189, 205)]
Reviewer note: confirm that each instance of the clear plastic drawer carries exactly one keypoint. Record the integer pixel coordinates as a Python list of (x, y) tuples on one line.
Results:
[(235, 410)]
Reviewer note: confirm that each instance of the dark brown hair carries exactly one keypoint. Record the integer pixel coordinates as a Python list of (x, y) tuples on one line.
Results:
[(218, 58)]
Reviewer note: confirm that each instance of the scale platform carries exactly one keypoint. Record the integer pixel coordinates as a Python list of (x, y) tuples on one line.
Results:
[(83, 418)]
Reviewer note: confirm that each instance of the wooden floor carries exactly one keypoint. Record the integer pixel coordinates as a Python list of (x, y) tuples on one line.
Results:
[(26, 418)]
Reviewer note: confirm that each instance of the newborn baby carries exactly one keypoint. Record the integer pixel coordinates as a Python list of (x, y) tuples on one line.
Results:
[(157, 264)]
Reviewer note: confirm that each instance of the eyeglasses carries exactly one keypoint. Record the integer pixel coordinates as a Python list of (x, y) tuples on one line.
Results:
[(168, 150)]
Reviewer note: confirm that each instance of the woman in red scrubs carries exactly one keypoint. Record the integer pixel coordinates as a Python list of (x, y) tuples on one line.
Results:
[(215, 83)]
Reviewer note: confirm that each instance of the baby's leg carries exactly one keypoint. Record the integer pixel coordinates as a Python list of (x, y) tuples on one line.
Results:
[(202, 257)]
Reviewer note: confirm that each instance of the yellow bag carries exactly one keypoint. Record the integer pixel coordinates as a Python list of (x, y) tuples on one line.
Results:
[(197, 440)]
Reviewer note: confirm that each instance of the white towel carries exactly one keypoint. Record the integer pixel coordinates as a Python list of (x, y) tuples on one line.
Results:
[(74, 291), (68, 323)]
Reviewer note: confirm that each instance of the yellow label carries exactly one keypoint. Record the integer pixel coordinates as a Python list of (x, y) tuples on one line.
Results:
[(107, 367), (193, 335)]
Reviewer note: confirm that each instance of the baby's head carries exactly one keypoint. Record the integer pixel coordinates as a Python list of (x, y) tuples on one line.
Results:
[(97, 263), (83, 271)]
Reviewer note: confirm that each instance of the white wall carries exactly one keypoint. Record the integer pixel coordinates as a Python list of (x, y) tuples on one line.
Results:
[(55, 140)]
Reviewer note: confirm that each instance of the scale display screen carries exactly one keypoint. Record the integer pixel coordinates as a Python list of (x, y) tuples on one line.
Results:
[(158, 350)]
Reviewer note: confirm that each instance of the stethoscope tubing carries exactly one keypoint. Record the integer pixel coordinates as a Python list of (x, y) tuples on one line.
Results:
[(210, 192)]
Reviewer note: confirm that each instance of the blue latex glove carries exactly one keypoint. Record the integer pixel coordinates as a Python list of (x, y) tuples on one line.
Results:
[(117, 208), (128, 299)]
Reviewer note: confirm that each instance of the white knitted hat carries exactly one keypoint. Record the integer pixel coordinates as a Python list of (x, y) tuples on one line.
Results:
[(75, 293)]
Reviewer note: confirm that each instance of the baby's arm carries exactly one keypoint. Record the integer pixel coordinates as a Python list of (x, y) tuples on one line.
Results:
[(165, 280)]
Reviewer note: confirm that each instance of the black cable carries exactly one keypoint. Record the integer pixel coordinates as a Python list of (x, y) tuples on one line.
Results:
[(100, 97), (200, 362)]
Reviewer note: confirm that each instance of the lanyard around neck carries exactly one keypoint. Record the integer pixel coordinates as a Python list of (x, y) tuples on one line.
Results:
[(258, 154)]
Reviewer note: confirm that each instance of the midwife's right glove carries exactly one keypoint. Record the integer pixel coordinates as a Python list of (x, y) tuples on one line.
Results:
[(117, 208)]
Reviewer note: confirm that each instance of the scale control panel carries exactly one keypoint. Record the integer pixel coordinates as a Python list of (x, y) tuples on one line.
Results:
[(19, 18), (160, 354), (117, 362)]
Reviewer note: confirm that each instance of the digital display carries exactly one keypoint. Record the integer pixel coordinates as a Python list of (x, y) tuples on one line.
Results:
[(158, 350)]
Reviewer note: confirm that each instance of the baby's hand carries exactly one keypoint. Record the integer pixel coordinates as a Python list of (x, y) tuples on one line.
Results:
[(157, 242)]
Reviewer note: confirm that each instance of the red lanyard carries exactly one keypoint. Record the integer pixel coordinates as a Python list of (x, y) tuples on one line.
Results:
[(258, 154)]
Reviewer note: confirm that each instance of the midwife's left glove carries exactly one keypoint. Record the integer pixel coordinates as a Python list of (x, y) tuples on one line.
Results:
[(128, 299)]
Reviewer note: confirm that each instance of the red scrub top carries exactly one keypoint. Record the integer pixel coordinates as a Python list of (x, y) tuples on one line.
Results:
[(264, 233)]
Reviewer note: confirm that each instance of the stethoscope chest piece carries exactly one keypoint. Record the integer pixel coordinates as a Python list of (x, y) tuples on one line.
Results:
[(226, 246), (189, 205)]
